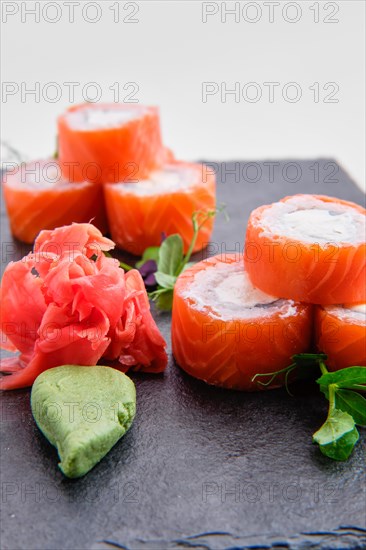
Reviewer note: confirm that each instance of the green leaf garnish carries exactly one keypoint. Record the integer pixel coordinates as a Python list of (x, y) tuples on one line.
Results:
[(353, 403), (343, 447), (172, 262), (170, 255), (163, 297), (199, 218), (164, 280), (350, 378), (337, 424), (338, 435), (271, 376), (302, 363)]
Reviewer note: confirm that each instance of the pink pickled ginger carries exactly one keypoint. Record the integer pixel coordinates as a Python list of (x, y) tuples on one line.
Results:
[(67, 303)]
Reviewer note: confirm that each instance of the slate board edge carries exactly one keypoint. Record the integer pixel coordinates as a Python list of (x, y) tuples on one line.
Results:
[(350, 537)]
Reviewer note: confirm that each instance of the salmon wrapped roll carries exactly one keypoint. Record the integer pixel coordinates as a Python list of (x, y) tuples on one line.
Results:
[(38, 197), (309, 248), (139, 213), (110, 142), (225, 331), (341, 334)]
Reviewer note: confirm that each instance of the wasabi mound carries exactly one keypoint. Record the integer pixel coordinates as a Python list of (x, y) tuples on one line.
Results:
[(83, 412)]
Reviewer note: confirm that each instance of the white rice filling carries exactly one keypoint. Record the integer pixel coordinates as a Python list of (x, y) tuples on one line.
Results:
[(224, 291), (173, 178), (94, 118), (311, 220), (360, 308), (354, 314)]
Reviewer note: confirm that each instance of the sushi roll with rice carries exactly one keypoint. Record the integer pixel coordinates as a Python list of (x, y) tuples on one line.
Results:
[(309, 248), (225, 330), (110, 142), (37, 197), (139, 213)]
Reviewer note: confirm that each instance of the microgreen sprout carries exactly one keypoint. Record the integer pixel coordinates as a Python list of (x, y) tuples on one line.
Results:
[(347, 408)]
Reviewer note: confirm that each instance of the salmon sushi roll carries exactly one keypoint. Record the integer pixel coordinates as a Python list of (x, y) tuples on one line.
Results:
[(225, 331), (110, 142), (138, 213), (309, 248), (38, 197), (341, 334)]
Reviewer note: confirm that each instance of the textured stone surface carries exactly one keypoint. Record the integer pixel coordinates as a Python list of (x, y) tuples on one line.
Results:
[(201, 467)]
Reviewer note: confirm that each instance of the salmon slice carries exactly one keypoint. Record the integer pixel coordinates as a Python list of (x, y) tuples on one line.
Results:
[(341, 334), (67, 303), (309, 248), (38, 197), (139, 213), (225, 331), (110, 142)]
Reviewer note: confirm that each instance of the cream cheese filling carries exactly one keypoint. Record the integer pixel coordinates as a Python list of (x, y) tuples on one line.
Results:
[(309, 219), (224, 291), (173, 178)]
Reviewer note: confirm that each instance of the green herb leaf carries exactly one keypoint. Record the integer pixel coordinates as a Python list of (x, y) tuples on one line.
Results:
[(151, 253), (353, 403), (337, 436), (350, 377), (170, 255), (343, 447), (163, 298), (271, 377), (337, 424), (199, 218), (164, 280), (302, 365)]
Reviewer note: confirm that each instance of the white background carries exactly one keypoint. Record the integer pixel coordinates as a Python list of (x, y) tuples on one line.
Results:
[(170, 52)]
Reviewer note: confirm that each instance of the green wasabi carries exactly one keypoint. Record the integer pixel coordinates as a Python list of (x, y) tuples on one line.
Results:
[(83, 412)]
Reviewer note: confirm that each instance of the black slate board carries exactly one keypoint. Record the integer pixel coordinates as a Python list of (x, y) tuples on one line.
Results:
[(201, 467)]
